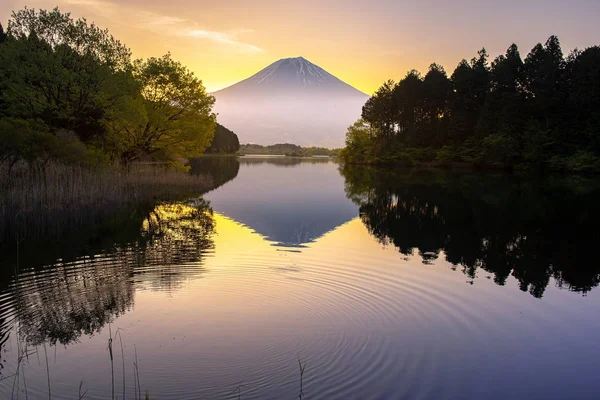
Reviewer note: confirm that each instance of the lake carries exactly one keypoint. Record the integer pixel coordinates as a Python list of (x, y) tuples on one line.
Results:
[(382, 285)]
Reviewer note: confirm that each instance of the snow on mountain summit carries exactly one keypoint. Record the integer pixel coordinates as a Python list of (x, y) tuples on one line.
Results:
[(298, 69), (290, 75), (290, 101)]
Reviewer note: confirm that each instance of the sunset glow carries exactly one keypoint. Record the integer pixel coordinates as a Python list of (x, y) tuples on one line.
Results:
[(362, 42)]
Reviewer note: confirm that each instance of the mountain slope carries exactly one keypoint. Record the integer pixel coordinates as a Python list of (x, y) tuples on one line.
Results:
[(289, 76), (291, 100)]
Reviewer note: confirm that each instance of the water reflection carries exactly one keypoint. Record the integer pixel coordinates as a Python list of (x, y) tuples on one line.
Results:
[(361, 314), (284, 161), (219, 169), (60, 302), (530, 229), (289, 201)]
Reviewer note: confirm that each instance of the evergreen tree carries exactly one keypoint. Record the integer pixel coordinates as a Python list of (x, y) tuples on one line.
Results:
[(541, 112), (3, 35)]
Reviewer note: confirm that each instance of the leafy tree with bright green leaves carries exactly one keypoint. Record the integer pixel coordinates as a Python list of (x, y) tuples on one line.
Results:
[(172, 118), (69, 91), (359, 142), (59, 86)]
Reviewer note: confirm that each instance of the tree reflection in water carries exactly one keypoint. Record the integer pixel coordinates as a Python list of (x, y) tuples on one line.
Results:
[(506, 225), (60, 302)]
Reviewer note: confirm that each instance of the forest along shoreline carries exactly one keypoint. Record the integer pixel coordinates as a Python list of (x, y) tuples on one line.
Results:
[(86, 131), (541, 113)]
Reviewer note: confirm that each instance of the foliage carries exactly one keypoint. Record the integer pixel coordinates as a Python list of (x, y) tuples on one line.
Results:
[(224, 141), (69, 92), (171, 118), (58, 29), (358, 142), (541, 112)]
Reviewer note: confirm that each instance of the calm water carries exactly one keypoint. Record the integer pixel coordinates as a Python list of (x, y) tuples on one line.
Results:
[(388, 286)]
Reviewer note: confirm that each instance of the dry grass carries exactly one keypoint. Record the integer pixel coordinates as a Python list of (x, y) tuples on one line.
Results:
[(35, 201)]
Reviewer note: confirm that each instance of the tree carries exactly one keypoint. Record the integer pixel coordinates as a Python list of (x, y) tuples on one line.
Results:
[(541, 113), (65, 89), (504, 108), (469, 89), (436, 90), (583, 102), (172, 118), (409, 97), (359, 140), (56, 28), (224, 141), (3, 39), (380, 109), (437, 85), (543, 71), (3, 35)]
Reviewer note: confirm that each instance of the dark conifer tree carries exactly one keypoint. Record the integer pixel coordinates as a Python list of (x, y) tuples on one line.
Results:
[(3, 35)]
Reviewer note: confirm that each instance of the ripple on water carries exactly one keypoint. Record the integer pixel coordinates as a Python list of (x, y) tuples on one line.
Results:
[(368, 324)]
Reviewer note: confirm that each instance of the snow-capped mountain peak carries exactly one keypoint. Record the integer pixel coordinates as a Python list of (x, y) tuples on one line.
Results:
[(298, 69), (290, 101), (290, 75)]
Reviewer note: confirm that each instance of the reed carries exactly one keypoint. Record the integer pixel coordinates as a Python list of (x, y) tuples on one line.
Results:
[(40, 201)]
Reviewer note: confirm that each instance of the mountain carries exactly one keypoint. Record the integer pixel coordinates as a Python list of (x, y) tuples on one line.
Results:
[(293, 101)]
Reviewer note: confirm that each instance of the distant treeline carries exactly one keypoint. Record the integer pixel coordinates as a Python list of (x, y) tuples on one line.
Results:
[(70, 93), (541, 112), (288, 149)]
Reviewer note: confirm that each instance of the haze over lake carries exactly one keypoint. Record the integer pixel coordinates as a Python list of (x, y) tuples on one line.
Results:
[(409, 285)]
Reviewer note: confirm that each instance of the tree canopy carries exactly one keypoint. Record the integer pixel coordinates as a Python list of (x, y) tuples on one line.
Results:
[(541, 111), (224, 141), (70, 92)]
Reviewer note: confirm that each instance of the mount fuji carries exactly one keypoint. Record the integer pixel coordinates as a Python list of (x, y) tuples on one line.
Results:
[(290, 101)]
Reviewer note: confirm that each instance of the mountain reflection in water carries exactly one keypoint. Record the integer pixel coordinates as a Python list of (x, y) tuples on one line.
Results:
[(387, 284)]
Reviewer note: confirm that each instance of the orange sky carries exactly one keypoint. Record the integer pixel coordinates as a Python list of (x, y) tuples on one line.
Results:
[(361, 42)]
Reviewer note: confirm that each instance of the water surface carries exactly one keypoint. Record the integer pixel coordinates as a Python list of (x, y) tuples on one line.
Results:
[(387, 285)]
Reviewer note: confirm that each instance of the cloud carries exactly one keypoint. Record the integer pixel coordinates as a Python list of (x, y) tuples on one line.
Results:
[(101, 8), (223, 38), (166, 24)]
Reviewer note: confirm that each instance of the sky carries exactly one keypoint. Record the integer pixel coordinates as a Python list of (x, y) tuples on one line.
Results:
[(362, 42)]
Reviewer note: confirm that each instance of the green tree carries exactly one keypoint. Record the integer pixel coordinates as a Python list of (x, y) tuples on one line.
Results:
[(224, 141), (62, 73), (172, 118), (56, 28), (380, 109), (359, 142), (59, 86)]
